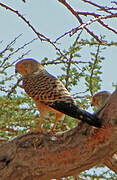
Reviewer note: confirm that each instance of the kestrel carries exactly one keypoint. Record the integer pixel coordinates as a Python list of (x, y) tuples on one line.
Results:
[(100, 99), (49, 94)]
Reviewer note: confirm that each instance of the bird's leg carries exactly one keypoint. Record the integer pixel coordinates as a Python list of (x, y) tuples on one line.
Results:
[(58, 116), (55, 124), (40, 123), (39, 129)]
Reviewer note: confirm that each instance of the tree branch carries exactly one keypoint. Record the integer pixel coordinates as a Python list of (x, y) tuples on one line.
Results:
[(97, 18), (49, 155), (39, 35), (79, 20), (102, 8), (92, 70)]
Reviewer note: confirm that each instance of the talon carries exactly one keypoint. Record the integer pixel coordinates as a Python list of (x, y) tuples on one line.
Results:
[(53, 129)]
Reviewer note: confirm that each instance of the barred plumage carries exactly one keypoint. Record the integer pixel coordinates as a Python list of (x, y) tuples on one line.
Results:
[(49, 94)]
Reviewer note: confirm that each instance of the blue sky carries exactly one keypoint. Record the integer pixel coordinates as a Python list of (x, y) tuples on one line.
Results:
[(52, 19)]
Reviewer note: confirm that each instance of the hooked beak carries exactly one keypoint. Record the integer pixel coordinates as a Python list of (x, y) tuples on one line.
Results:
[(16, 71)]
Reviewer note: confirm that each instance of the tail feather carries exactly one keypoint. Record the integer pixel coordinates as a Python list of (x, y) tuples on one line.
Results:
[(74, 111)]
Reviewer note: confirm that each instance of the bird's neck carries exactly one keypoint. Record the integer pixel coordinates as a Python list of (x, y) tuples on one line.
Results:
[(41, 72)]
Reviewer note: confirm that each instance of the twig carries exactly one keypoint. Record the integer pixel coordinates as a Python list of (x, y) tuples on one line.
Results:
[(76, 95), (9, 65), (14, 52), (69, 64), (73, 31), (39, 35), (79, 20), (71, 9), (92, 71), (68, 72), (88, 14), (20, 48), (97, 17), (54, 62), (98, 6), (7, 48), (114, 2), (93, 35), (106, 26), (14, 87)]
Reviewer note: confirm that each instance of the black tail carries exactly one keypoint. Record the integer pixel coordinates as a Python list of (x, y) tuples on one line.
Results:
[(73, 110)]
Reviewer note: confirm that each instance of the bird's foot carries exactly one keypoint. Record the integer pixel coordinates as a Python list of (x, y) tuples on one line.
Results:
[(53, 129)]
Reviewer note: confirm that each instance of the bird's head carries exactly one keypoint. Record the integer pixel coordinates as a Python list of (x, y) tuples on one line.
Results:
[(100, 98), (28, 67)]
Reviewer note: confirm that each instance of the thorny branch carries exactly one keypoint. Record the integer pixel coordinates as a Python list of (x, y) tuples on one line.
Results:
[(101, 8), (14, 87), (94, 20), (56, 61), (92, 70), (5, 64), (9, 65), (20, 48), (97, 18), (8, 47), (71, 32), (69, 63), (14, 52), (39, 35), (68, 71)]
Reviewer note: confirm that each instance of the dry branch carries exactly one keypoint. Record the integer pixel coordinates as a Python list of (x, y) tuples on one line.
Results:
[(48, 155), (82, 25), (39, 35), (97, 18)]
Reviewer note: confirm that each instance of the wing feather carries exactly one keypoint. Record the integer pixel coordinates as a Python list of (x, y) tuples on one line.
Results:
[(46, 89)]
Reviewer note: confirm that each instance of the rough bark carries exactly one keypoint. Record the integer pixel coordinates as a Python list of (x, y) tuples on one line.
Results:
[(111, 162), (44, 156)]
